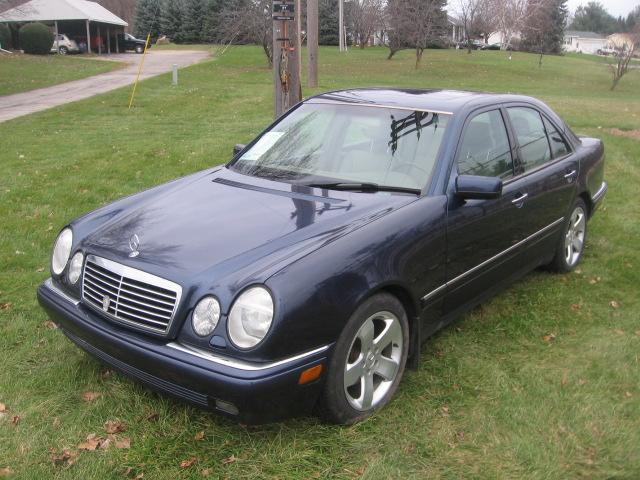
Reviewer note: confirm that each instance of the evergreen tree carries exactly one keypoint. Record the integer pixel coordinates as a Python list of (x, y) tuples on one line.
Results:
[(544, 30), (328, 23), (594, 18), (193, 21), (147, 18), (171, 20), (211, 31)]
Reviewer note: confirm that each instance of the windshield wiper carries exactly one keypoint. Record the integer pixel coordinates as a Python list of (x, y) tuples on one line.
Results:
[(364, 187)]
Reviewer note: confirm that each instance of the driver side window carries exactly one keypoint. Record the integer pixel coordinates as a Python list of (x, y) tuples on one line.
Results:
[(485, 148)]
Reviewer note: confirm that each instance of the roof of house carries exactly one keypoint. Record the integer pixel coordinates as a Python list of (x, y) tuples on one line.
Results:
[(454, 20), (49, 10), (581, 34)]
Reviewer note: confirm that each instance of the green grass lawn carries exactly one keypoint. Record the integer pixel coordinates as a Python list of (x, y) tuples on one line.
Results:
[(20, 73), (542, 382)]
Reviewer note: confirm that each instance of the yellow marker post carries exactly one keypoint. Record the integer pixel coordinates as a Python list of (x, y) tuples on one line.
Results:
[(135, 84)]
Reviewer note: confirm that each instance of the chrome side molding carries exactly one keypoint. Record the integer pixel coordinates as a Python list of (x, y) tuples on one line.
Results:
[(492, 259), (240, 364)]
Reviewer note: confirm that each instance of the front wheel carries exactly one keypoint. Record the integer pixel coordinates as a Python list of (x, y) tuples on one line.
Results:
[(63, 50), (571, 244), (368, 361), (139, 49)]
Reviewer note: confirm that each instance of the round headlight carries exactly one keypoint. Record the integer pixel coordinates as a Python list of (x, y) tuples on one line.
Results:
[(250, 317), (61, 251), (75, 267), (205, 316)]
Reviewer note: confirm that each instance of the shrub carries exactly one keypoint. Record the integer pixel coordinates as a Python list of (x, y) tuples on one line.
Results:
[(36, 38), (5, 36)]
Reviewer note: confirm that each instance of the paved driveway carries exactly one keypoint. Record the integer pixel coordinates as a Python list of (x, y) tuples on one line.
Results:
[(156, 62)]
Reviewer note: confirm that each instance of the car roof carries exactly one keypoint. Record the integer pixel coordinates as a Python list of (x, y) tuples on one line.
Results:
[(438, 100)]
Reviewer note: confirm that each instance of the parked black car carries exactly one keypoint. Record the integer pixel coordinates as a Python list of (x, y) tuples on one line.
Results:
[(129, 42), (307, 271)]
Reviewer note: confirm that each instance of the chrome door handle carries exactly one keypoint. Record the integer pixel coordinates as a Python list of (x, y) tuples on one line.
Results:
[(569, 176), (520, 200)]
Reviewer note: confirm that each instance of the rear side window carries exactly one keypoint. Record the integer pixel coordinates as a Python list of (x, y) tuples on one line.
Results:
[(559, 147), (485, 148), (531, 135)]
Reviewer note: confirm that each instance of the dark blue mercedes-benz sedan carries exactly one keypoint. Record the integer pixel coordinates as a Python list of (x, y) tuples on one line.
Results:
[(307, 271)]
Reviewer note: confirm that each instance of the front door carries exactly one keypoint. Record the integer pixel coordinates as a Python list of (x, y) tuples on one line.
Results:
[(483, 236)]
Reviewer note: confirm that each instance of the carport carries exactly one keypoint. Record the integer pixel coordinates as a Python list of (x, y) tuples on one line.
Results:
[(86, 22)]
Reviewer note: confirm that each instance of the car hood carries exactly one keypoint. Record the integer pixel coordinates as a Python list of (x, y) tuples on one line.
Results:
[(221, 222)]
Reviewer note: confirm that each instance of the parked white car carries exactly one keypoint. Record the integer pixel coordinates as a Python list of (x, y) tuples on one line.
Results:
[(64, 45)]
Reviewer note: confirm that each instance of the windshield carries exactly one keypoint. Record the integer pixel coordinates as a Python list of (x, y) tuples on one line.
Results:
[(348, 143)]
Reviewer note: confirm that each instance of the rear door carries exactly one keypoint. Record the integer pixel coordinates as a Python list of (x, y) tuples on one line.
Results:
[(548, 169)]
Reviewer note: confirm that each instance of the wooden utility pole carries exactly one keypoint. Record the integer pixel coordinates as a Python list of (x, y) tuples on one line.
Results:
[(341, 25), (286, 54), (312, 41)]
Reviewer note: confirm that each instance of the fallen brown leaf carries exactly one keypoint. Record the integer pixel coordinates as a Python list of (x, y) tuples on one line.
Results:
[(3, 407), (628, 394), (618, 331), (445, 411), (153, 417), (40, 269), (91, 396), (582, 381), (549, 338), (67, 457), (6, 472), (614, 304), (49, 324), (187, 463), (92, 442), (199, 435), (575, 307), (638, 333), (106, 373), (565, 378), (124, 442), (106, 443), (229, 460), (15, 420), (114, 426), (206, 472), (5, 306)]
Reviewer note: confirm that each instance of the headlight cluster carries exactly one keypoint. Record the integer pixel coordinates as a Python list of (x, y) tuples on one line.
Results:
[(250, 317), (61, 251), (249, 320), (205, 316), (60, 257)]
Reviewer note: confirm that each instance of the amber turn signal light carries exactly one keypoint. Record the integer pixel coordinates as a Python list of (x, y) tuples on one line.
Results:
[(310, 374)]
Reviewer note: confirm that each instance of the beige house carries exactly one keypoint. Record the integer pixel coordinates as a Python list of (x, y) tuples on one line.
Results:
[(620, 40)]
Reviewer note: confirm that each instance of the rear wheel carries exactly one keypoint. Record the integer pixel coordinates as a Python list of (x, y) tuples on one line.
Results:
[(63, 50), (139, 49), (368, 361), (571, 243)]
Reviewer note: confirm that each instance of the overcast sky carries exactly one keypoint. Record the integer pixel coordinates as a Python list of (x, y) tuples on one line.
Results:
[(614, 7)]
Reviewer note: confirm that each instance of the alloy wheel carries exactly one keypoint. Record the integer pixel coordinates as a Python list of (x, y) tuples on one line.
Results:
[(374, 360), (574, 238)]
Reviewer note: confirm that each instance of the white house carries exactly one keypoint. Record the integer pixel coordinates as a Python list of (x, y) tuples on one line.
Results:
[(583, 42)]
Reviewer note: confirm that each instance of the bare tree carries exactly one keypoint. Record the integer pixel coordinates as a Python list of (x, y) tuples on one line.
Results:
[(471, 14), (248, 22), (509, 17), (416, 24), (543, 30), (366, 17), (624, 53)]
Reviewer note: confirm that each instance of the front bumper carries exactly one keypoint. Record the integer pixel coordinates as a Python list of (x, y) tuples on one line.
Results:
[(248, 392)]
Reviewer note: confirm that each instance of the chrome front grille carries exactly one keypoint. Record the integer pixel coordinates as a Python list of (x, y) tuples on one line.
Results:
[(128, 295)]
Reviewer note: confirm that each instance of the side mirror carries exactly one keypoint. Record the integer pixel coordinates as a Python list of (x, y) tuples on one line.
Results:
[(474, 187), (237, 148)]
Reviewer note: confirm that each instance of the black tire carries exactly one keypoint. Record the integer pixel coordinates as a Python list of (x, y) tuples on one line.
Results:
[(63, 50), (139, 49), (563, 261), (336, 403)]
